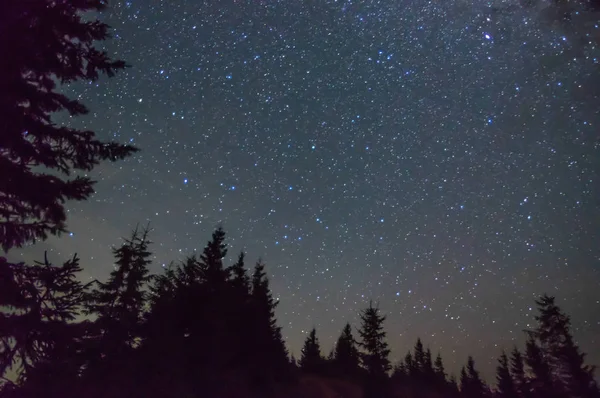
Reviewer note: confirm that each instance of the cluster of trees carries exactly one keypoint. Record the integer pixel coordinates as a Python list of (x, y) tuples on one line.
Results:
[(202, 328), (551, 365), (199, 329)]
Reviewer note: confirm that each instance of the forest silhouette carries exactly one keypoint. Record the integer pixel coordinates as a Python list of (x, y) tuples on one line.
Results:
[(204, 329), (201, 328)]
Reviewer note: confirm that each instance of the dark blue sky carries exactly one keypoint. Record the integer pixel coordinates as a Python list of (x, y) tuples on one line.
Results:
[(440, 158)]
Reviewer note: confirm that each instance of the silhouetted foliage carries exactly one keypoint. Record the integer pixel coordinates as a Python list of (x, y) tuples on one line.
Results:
[(504, 381), (206, 330), (346, 359), (553, 356), (517, 371), (39, 337), (438, 368), (471, 384), (540, 381), (312, 360), (51, 43), (375, 353), (118, 306)]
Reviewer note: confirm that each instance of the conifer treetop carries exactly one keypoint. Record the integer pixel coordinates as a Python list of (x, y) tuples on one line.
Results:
[(51, 44)]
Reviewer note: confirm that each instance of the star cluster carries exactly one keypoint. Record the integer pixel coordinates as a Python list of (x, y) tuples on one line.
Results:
[(440, 158)]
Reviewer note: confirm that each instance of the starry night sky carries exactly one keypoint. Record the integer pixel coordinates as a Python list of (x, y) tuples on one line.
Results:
[(440, 157)]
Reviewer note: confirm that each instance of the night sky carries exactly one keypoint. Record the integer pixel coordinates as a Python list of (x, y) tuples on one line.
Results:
[(438, 157)]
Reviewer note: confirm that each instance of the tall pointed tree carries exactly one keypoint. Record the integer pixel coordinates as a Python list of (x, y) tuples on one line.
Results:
[(541, 382), (439, 371), (52, 43), (39, 305), (346, 359), (239, 276), (504, 381), (419, 355), (428, 371), (272, 356), (375, 352), (211, 261), (566, 362), (312, 360), (118, 303), (471, 384), (412, 370), (517, 371)]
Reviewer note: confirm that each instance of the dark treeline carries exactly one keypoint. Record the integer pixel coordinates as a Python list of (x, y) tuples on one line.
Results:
[(203, 328)]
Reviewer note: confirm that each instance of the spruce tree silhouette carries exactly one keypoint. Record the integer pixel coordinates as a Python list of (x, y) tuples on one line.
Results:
[(49, 42), (540, 381), (118, 306), (346, 359), (271, 362), (517, 371), (504, 381), (211, 261), (311, 360), (565, 361), (39, 335), (471, 384), (439, 371), (428, 371), (375, 353), (239, 276), (412, 369), (419, 359)]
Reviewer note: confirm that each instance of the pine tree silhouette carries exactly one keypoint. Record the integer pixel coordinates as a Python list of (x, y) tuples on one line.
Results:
[(517, 371), (239, 276), (566, 362), (375, 353), (50, 42), (419, 357), (439, 371), (39, 336), (119, 302), (271, 360), (471, 384), (211, 261), (541, 383), (311, 360), (505, 383), (346, 359), (412, 369), (118, 306), (428, 371)]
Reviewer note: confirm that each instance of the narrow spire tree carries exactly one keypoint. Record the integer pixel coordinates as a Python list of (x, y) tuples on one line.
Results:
[(211, 261), (51, 42), (505, 383), (419, 356), (566, 362), (239, 276), (38, 308), (311, 360), (346, 359), (266, 334), (439, 371), (428, 371), (540, 380), (471, 384), (375, 352), (118, 304), (517, 371)]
